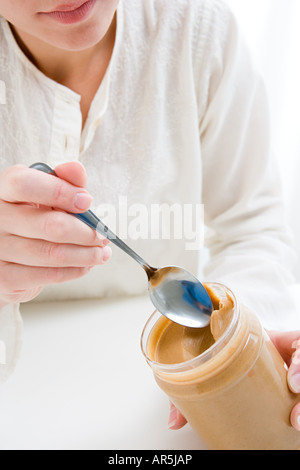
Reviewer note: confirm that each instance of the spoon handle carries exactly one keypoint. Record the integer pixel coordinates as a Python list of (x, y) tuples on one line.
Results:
[(90, 219)]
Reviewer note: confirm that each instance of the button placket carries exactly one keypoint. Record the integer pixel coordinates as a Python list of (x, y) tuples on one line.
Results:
[(66, 130)]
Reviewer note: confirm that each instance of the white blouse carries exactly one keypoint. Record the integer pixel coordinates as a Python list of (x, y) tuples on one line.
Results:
[(181, 117)]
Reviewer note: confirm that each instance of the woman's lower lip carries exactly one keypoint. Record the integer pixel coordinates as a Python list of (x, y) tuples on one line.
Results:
[(73, 16)]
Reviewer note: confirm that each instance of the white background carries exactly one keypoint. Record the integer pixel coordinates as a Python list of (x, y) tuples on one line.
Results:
[(272, 29)]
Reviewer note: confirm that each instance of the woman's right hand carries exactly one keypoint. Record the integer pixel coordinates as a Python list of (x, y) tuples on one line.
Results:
[(40, 243)]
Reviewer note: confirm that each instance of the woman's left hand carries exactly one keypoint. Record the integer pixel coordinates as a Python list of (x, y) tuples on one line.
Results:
[(288, 345)]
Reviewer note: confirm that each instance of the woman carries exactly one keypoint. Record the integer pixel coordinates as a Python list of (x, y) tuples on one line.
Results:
[(159, 102)]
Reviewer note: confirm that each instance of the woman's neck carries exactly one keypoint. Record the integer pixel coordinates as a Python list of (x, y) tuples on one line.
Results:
[(81, 71)]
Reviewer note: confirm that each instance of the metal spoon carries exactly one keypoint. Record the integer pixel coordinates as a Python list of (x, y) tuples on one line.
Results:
[(174, 292)]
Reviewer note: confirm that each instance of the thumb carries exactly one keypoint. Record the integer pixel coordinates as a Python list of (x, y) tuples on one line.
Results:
[(73, 172)]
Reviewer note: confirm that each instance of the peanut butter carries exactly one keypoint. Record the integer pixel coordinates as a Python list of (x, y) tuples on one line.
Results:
[(179, 344)]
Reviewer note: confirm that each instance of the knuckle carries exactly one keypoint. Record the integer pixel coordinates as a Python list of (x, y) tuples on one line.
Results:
[(15, 181), (12, 173), (55, 226), (54, 253), (60, 193)]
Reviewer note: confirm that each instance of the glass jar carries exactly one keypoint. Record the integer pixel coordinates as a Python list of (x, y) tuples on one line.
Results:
[(234, 394)]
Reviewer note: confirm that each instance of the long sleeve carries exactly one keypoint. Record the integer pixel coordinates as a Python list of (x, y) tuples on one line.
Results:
[(250, 246), (10, 339)]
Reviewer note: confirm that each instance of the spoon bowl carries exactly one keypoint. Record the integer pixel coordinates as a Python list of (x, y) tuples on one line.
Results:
[(180, 296), (176, 293)]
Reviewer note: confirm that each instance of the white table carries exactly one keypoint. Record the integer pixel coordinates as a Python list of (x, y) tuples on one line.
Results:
[(83, 383)]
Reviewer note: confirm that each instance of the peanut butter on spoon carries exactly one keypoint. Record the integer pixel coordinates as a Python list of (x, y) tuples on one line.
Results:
[(178, 344), (222, 315)]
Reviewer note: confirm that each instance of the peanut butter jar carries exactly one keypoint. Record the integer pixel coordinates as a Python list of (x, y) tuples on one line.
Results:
[(228, 379)]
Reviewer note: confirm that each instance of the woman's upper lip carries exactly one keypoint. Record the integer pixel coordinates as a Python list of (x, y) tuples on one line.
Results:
[(68, 6)]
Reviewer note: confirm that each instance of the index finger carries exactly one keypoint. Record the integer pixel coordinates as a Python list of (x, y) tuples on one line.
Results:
[(285, 343), (22, 184)]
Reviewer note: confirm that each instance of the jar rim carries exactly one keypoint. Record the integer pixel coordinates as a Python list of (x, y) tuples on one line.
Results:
[(207, 355)]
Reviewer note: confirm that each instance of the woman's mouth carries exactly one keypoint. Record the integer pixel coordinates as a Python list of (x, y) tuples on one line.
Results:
[(72, 12)]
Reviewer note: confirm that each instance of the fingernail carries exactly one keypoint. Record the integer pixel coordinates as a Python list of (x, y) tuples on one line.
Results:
[(294, 381), (298, 422), (83, 201), (106, 253)]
